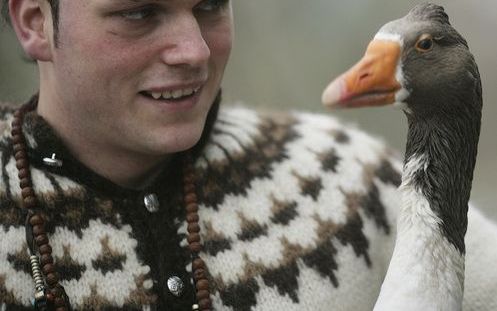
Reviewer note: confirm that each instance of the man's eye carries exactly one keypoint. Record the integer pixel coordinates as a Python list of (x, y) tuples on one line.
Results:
[(138, 15), (212, 5)]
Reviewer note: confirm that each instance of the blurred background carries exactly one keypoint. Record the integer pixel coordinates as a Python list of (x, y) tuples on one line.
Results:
[(286, 52)]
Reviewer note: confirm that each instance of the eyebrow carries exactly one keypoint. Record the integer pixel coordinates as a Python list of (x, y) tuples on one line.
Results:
[(137, 1)]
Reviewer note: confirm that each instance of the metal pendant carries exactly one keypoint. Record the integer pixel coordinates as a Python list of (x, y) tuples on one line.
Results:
[(53, 161), (151, 202), (175, 286), (40, 299)]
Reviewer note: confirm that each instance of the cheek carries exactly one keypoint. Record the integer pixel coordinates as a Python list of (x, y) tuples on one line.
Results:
[(100, 52), (220, 42)]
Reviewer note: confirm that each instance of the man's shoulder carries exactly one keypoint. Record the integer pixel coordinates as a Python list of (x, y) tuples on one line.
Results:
[(320, 128), (242, 132), (6, 111), (7, 107)]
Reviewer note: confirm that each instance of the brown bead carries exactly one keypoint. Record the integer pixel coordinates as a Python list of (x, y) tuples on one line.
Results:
[(59, 302), (19, 147), (198, 263), (202, 284), (48, 268), (45, 249), (16, 122), (39, 229), (36, 220), (190, 198), (193, 228), (52, 279), (192, 217), (17, 139), (192, 208), (193, 237), (29, 202), (27, 192), (25, 182), (41, 239), (23, 173), (57, 291), (189, 177), (16, 130), (21, 154), (199, 274), (50, 297), (22, 163), (189, 188), (205, 304), (202, 294), (195, 247), (46, 259)]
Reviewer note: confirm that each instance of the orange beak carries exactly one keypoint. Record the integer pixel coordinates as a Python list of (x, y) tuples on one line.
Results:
[(370, 82)]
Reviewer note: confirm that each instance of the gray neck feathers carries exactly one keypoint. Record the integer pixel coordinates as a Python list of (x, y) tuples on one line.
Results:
[(449, 143)]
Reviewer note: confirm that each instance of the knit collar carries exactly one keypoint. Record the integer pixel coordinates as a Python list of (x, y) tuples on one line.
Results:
[(43, 141)]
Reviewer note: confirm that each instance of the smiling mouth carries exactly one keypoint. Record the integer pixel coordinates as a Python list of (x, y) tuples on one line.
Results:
[(171, 96)]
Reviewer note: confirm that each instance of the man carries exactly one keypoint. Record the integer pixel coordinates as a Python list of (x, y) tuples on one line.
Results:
[(139, 51), (294, 211)]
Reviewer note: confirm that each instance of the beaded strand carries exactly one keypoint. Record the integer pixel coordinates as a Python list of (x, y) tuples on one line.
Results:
[(36, 235), (199, 268)]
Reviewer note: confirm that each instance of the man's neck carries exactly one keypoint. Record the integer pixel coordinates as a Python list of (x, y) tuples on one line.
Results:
[(123, 167)]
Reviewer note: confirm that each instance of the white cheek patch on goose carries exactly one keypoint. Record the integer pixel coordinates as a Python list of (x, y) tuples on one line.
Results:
[(402, 94), (387, 36)]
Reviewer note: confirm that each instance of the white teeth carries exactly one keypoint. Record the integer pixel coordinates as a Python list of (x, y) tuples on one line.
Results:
[(167, 95), (173, 94), (177, 94), (188, 92)]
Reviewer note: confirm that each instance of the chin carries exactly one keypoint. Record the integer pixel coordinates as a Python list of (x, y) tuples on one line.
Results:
[(177, 142), (180, 136)]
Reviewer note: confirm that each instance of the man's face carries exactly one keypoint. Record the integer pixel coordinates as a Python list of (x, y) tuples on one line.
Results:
[(140, 75)]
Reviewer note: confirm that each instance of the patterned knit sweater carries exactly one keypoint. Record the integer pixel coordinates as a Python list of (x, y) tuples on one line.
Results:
[(297, 212)]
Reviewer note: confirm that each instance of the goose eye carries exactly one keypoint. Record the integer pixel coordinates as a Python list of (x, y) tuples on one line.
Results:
[(425, 43)]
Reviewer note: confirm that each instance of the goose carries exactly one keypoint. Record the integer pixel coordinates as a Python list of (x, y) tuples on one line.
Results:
[(423, 65)]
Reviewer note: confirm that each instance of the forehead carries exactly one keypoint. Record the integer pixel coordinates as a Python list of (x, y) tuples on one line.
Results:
[(76, 8), (116, 4), (128, 2)]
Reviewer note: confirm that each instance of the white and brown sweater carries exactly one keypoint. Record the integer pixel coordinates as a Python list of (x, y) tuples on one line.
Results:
[(297, 212)]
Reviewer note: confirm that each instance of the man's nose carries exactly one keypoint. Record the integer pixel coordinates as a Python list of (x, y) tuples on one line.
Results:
[(187, 45)]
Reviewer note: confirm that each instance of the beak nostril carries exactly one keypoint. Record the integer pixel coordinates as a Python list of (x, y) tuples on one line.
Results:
[(364, 76)]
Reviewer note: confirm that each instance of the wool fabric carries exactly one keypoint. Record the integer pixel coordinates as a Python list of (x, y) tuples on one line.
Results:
[(297, 212)]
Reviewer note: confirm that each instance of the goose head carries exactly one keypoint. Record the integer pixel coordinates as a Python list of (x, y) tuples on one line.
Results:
[(422, 64), (418, 62)]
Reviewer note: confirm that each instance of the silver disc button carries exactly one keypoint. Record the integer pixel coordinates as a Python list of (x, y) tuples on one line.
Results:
[(175, 286), (151, 202)]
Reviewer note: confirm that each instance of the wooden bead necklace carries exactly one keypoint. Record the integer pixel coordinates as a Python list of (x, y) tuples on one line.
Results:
[(49, 293), (199, 269)]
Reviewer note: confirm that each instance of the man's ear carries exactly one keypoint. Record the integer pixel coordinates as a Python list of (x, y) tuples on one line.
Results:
[(29, 20)]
